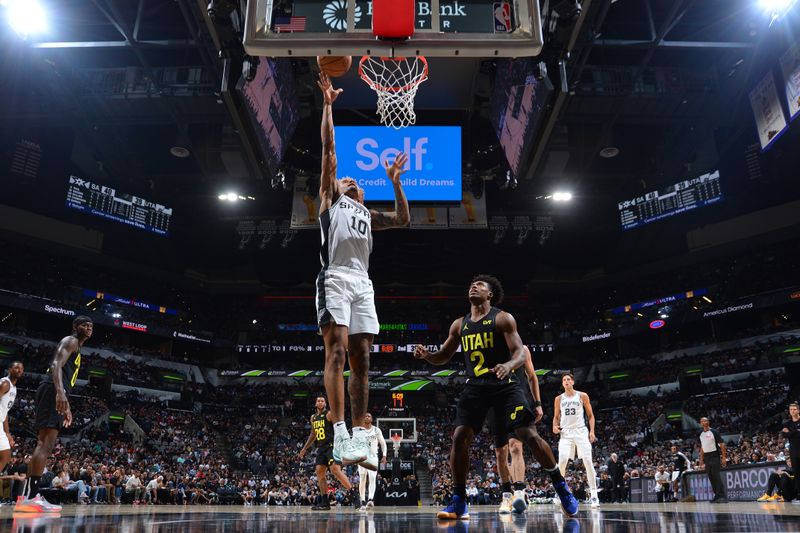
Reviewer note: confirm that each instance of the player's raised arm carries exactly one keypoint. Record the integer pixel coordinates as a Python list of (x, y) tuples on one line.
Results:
[(328, 187), (448, 348), (507, 324), (400, 216)]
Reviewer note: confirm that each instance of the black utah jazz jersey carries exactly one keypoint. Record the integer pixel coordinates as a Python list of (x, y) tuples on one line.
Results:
[(69, 372), (484, 347), (323, 430)]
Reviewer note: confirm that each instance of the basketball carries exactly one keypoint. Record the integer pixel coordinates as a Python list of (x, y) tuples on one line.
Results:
[(334, 66)]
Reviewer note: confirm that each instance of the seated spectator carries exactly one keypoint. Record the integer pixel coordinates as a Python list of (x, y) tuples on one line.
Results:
[(151, 490), (133, 487), (62, 482), (663, 480), (783, 479)]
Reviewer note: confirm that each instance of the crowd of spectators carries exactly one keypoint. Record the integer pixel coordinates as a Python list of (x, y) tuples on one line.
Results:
[(38, 354), (240, 442), (653, 370)]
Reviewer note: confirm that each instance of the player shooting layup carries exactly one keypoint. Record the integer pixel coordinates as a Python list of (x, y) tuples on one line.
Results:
[(345, 299)]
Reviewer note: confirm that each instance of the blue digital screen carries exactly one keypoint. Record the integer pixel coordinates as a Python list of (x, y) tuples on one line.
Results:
[(434, 161)]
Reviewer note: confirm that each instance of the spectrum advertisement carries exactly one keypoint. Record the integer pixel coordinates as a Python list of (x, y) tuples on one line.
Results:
[(433, 172)]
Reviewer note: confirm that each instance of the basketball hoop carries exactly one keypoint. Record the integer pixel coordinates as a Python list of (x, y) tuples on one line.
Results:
[(396, 439), (395, 80)]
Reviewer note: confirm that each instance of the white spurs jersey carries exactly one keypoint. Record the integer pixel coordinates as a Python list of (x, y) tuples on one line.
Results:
[(346, 229), (572, 415), (375, 437), (7, 400)]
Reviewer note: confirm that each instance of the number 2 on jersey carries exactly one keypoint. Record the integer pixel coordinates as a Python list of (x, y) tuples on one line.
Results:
[(479, 370)]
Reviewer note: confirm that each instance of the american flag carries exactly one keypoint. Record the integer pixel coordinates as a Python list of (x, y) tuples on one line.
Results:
[(290, 24)]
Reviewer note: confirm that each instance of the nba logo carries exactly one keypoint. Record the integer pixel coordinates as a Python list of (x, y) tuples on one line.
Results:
[(502, 17)]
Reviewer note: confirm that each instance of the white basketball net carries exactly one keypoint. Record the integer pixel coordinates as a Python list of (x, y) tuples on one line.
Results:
[(395, 80)]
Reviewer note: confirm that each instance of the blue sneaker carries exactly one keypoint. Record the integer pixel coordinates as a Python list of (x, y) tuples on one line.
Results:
[(457, 510), (568, 502)]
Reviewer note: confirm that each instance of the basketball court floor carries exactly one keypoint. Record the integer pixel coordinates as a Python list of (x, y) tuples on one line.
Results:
[(543, 518)]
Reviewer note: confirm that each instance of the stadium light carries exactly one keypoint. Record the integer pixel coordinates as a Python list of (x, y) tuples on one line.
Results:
[(562, 196), (26, 17), (233, 197), (776, 8)]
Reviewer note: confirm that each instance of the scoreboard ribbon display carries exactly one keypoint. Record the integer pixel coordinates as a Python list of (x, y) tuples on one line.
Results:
[(106, 202), (673, 200)]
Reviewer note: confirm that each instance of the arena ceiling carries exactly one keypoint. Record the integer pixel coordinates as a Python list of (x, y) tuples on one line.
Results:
[(116, 84)]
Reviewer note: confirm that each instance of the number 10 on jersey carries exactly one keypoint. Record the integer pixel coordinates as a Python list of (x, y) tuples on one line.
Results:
[(359, 225)]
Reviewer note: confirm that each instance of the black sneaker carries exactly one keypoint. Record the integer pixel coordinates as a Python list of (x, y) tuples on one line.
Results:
[(720, 500), (325, 506)]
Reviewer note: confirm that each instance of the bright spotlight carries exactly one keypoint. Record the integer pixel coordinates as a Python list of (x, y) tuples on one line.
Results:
[(776, 8), (26, 17), (232, 197), (562, 196)]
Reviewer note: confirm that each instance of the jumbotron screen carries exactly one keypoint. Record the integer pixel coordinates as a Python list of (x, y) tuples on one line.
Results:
[(271, 104), (669, 201), (106, 202), (516, 106), (433, 171)]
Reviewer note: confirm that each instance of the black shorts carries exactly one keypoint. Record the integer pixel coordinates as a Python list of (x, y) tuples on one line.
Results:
[(507, 401), (46, 415), (325, 457), (496, 428)]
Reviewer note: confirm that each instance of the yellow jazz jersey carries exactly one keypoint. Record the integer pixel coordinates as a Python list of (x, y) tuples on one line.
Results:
[(69, 372), (323, 430), (484, 347)]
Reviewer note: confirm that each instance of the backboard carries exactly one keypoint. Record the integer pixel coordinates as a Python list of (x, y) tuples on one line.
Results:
[(444, 28), (405, 427)]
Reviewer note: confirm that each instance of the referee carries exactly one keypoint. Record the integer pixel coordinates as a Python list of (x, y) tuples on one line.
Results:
[(712, 455), (791, 431)]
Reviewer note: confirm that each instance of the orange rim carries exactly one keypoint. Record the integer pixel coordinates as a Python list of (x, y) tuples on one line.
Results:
[(404, 88)]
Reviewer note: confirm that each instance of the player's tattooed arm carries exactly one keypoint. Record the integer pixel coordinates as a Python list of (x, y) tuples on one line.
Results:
[(449, 347), (401, 215), (328, 185)]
